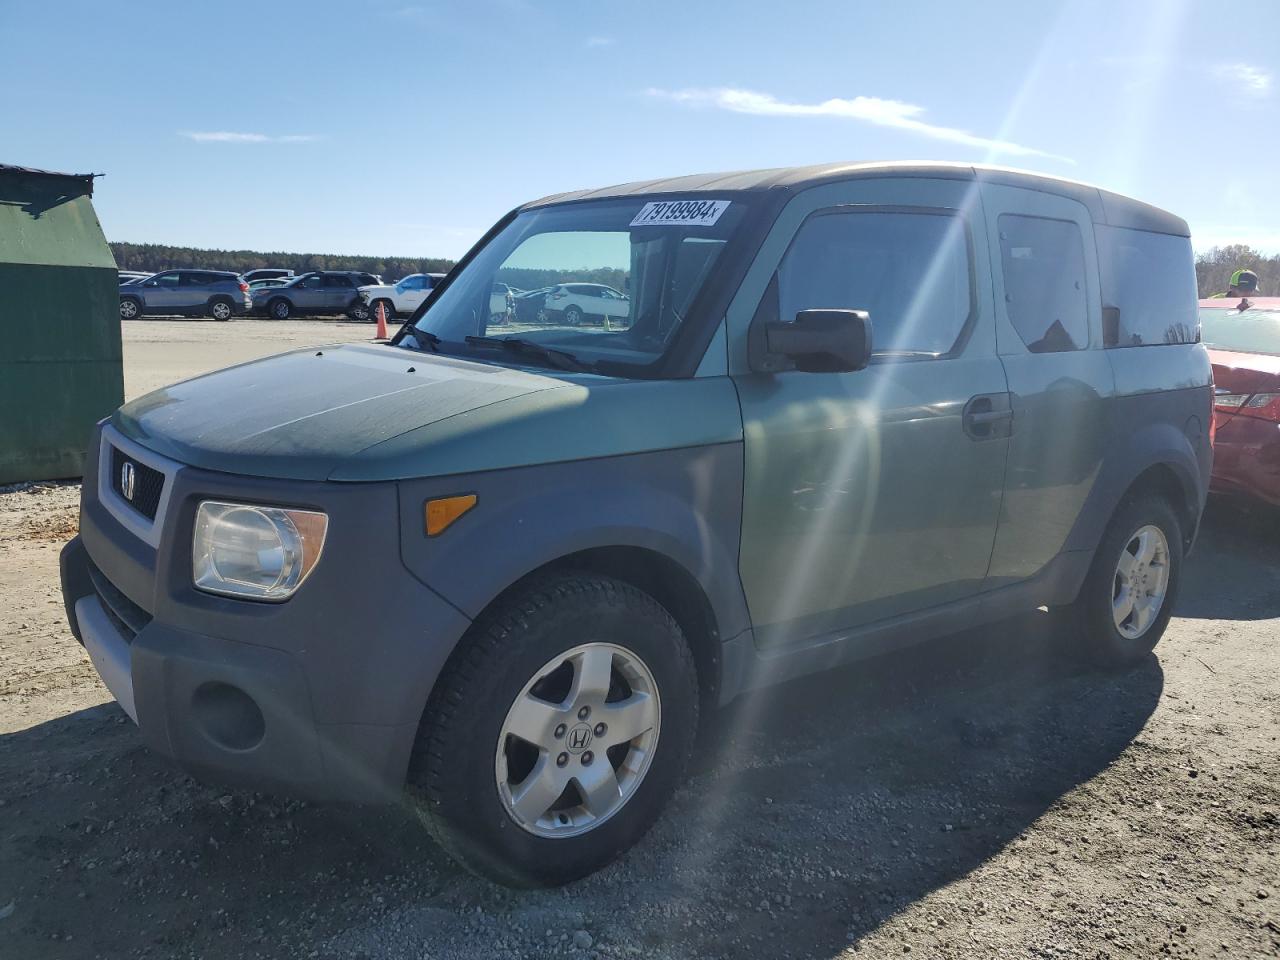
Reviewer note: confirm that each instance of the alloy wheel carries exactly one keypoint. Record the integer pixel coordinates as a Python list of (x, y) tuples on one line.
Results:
[(1141, 582), (578, 740)]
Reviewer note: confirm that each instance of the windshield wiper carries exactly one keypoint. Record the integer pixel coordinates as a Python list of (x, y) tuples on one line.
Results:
[(561, 359)]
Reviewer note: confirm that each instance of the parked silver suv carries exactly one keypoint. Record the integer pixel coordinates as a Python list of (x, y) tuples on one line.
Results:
[(202, 293)]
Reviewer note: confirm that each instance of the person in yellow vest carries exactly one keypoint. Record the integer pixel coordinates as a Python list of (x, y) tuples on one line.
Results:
[(1244, 283)]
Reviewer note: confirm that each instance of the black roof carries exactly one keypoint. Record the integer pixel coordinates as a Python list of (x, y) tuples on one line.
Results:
[(1106, 207), (86, 179)]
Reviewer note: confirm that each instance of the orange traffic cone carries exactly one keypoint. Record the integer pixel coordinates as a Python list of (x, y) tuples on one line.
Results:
[(382, 321)]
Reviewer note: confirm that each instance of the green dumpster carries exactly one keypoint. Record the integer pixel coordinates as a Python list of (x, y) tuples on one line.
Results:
[(60, 368)]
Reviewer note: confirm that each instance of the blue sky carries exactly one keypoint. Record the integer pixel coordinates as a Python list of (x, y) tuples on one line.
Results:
[(406, 128)]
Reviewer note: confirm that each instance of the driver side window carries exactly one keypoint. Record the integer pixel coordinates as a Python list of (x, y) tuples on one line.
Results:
[(909, 270)]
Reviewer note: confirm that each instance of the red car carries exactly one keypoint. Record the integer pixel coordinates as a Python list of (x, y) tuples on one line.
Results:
[(1244, 345)]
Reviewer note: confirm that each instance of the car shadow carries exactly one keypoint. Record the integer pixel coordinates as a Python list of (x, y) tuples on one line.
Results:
[(814, 811), (1238, 541), (869, 787)]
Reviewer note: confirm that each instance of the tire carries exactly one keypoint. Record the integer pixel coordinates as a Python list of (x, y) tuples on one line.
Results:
[(279, 309), (573, 316), (468, 769), (360, 311), (1093, 626), (221, 309), (130, 308), (373, 310)]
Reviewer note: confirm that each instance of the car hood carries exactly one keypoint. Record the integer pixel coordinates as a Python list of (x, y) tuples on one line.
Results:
[(1245, 372), (299, 415), (373, 413), (377, 290)]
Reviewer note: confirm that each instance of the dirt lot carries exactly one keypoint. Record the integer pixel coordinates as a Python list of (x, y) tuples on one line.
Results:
[(159, 351), (976, 797)]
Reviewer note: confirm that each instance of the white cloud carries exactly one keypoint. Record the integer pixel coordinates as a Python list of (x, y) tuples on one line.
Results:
[(894, 114), (1248, 79), (600, 41), (227, 136)]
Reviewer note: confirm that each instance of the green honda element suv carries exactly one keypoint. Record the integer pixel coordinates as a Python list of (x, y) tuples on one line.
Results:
[(503, 565)]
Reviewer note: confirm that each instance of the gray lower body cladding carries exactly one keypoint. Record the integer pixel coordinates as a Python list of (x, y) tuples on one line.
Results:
[(321, 696)]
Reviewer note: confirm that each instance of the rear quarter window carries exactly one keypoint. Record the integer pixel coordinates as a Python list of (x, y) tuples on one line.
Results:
[(1150, 279)]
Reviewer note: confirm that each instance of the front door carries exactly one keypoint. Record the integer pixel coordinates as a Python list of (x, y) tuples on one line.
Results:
[(308, 294), (162, 292), (873, 494)]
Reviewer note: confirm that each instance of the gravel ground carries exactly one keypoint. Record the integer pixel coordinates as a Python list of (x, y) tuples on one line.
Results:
[(974, 797)]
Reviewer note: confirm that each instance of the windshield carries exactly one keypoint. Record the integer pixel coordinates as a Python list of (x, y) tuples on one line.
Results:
[(411, 282), (610, 284), (1249, 331)]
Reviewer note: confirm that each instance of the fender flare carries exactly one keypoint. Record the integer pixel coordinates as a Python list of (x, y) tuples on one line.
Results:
[(1154, 445)]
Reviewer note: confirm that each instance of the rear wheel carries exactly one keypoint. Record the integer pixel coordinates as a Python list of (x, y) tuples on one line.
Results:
[(572, 316), (280, 309), (129, 308), (220, 309), (1128, 596), (557, 732)]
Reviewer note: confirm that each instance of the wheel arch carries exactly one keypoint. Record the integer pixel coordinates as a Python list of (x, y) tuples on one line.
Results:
[(667, 581), (1158, 459), (647, 520)]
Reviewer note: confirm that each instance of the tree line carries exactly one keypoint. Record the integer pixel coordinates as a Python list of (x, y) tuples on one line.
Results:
[(1214, 269), (154, 257)]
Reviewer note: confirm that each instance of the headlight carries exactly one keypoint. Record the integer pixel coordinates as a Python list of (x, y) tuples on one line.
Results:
[(263, 553)]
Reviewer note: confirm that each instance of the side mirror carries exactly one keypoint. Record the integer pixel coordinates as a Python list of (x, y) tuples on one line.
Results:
[(823, 341)]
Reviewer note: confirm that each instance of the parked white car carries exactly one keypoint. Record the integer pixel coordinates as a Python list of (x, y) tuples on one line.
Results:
[(576, 302), (400, 299)]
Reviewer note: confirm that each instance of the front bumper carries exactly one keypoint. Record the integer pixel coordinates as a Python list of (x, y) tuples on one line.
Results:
[(319, 696)]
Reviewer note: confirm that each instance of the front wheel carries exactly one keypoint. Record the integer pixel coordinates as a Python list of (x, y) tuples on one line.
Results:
[(129, 308), (360, 311), (1128, 596), (557, 732)]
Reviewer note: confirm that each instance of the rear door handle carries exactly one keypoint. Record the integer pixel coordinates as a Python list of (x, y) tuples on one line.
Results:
[(988, 416)]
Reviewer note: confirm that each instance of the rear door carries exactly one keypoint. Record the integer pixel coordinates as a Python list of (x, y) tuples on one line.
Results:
[(1049, 337), (194, 289), (339, 291), (872, 494)]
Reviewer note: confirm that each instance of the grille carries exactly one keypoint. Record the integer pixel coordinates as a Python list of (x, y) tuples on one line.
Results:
[(148, 483), (124, 614)]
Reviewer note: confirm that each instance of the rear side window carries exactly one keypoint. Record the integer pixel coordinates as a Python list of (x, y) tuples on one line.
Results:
[(1150, 278), (1044, 282), (909, 270), (195, 279), (337, 281)]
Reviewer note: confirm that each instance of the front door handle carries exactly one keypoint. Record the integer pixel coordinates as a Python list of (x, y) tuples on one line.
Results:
[(988, 416)]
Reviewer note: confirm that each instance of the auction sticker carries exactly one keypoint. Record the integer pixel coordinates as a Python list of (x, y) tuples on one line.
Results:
[(688, 213)]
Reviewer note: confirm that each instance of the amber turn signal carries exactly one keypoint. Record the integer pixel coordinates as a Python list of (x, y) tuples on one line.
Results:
[(441, 513)]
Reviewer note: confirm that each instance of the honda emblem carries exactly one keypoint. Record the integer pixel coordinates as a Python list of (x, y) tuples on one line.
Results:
[(128, 479)]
